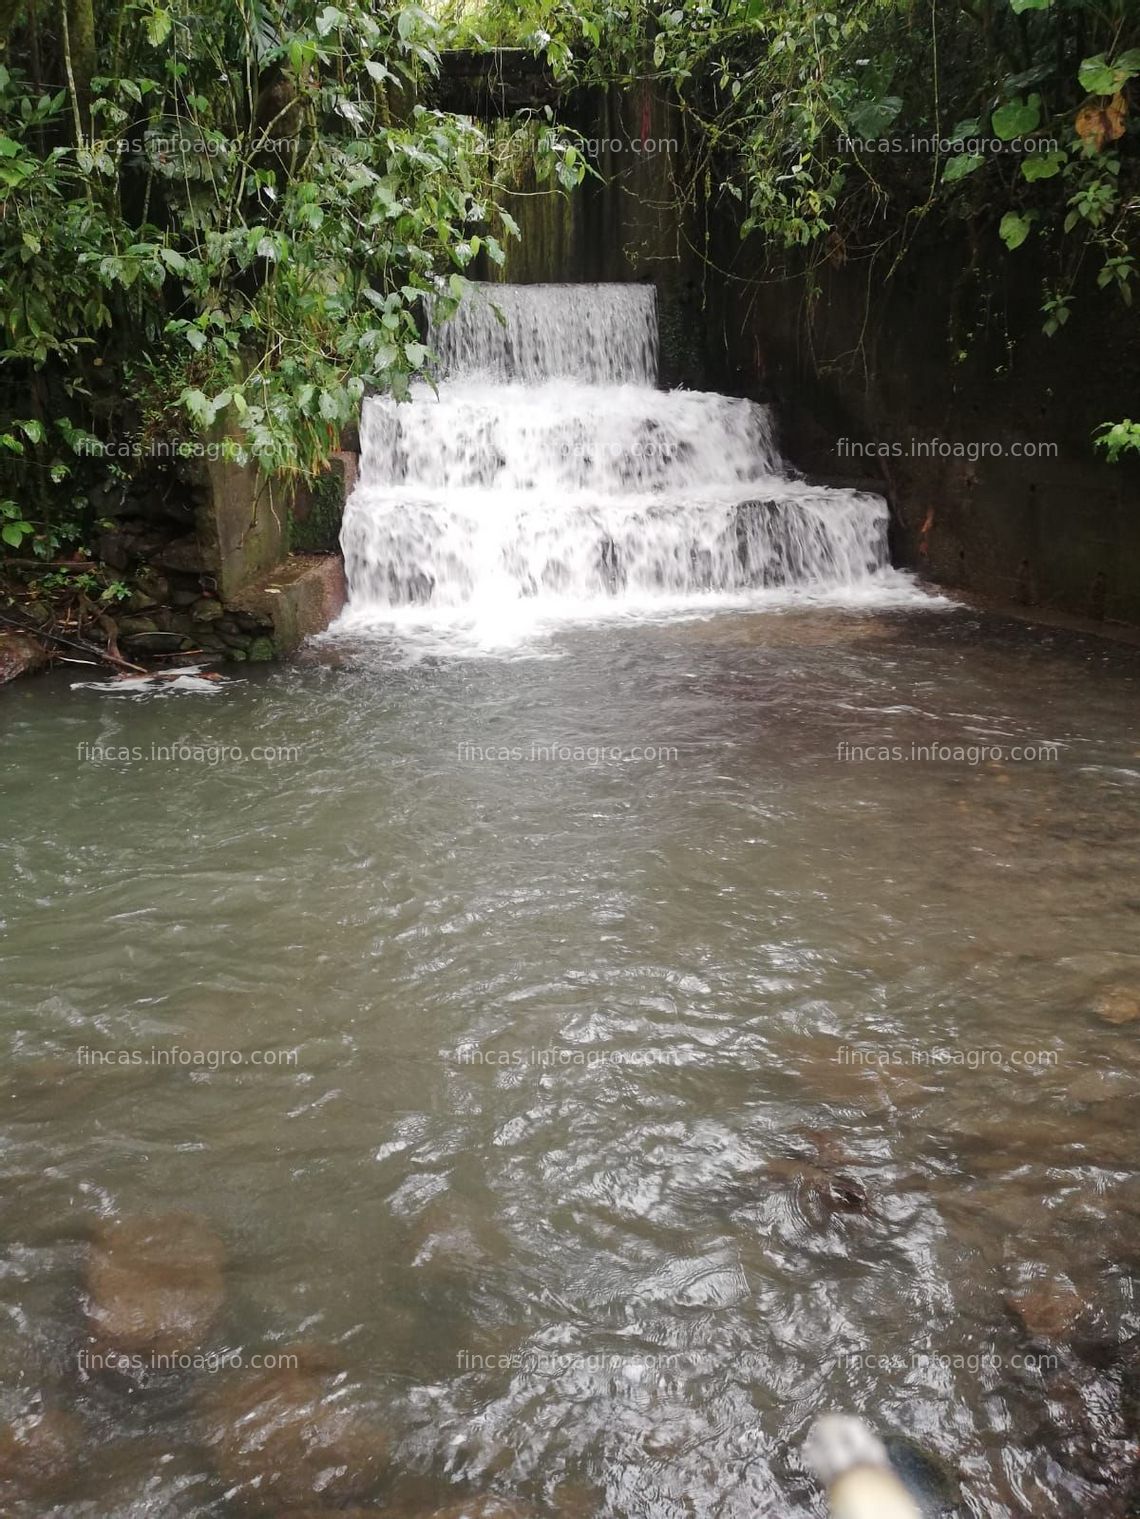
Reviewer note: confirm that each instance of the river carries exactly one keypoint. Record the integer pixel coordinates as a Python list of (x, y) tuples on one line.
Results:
[(578, 1033), (598, 1036)]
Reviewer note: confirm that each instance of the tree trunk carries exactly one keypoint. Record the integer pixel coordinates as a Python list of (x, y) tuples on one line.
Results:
[(79, 41)]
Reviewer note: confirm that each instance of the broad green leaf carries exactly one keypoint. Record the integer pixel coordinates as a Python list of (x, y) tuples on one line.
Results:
[(1043, 165), (329, 19), (1014, 229), (415, 353), (1099, 77), (1017, 117), (158, 26), (961, 165), (1096, 77), (198, 406), (968, 128)]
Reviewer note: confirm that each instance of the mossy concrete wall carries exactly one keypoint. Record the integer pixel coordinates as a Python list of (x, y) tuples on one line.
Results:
[(938, 388), (317, 508), (299, 597), (242, 523), (270, 551)]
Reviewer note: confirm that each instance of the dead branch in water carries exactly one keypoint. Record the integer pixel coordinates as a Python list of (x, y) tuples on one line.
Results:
[(83, 646)]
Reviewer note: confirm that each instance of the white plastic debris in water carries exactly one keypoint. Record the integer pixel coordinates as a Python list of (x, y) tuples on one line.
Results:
[(157, 683)]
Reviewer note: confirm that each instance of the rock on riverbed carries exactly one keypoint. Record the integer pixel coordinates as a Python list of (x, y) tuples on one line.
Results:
[(19, 655), (486, 1507), (471, 1508), (931, 1482), (290, 1438), (1047, 1309), (1117, 1004), (154, 1285), (39, 1456)]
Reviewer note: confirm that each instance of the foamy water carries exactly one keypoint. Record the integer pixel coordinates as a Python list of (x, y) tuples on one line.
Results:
[(548, 480)]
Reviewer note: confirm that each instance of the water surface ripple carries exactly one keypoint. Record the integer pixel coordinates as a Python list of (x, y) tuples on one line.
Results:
[(576, 1173)]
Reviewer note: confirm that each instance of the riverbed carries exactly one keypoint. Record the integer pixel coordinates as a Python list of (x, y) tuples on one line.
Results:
[(608, 1052)]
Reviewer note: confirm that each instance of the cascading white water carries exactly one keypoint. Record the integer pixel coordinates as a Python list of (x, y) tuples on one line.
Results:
[(549, 472), (606, 334)]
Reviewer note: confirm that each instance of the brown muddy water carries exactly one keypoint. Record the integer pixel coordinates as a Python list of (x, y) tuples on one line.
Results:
[(582, 1122)]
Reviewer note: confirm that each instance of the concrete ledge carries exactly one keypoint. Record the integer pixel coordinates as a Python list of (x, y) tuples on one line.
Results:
[(299, 597)]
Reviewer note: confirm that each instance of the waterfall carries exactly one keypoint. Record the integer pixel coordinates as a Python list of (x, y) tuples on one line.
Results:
[(548, 476), (606, 334)]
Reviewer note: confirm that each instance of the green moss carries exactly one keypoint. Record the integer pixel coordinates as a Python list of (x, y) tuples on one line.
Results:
[(315, 517)]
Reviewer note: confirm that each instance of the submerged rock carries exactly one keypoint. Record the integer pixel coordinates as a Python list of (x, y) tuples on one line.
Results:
[(20, 655), (288, 1439), (828, 1145), (39, 1455), (154, 1285), (1047, 1309), (485, 1507), (843, 1194), (1102, 1086), (931, 1481), (823, 1189), (1117, 1004)]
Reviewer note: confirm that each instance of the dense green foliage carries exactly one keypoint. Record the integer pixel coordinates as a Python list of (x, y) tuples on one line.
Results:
[(853, 121), (220, 223)]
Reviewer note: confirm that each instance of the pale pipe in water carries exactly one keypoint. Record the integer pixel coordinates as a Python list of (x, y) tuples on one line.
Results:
[(854, 1467)]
